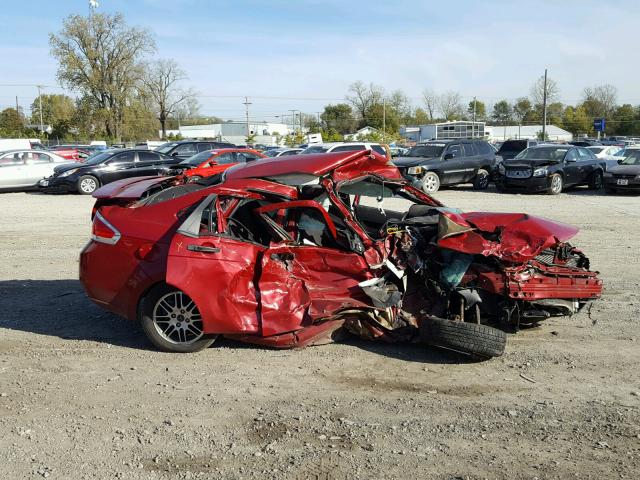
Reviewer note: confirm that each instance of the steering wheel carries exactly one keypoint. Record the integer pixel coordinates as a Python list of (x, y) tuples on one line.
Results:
[(239, 230)]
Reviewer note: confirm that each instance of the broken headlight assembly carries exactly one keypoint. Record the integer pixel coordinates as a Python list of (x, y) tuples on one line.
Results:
[(414, 170), (541, 172)]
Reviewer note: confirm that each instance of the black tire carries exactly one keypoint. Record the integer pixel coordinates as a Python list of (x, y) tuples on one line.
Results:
[(556, 183), (481, 180), (596, 182), (87, 184), (479, 341), (148, 315)]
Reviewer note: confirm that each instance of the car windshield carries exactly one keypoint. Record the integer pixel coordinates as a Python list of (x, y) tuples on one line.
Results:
[(632, 158), (433, 150), (271, 153), (98, 158), (513, 146), (165, 147), (543, 153), (197, 159), (315, 149), (596, 150)]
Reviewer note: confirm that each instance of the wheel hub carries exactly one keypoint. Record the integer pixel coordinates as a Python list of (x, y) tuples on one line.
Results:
[(177, 318)]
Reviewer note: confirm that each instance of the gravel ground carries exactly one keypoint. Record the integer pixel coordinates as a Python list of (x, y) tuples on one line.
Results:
[(83, 395)]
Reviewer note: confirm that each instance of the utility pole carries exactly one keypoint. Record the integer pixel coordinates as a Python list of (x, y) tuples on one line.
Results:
[(246, 104), (384, 117), (473, 128), (293, 120), (40, 103), (544, 108)]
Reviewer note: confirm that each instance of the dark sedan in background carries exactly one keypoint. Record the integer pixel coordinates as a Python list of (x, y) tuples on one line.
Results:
[(104, 168), (625, 177), (550, 169)]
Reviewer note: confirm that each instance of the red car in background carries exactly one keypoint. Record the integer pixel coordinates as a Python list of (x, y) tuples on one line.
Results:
[(71, 153), (212, 162), (295, 250)]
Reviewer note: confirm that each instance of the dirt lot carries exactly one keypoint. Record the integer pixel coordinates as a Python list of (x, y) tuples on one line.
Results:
[(82, 394)]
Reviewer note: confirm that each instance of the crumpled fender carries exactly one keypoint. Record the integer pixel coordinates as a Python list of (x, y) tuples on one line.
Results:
[(514, 237)]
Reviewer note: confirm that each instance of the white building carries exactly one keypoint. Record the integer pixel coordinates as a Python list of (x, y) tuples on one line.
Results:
[(360, 134), (445, 130), (235, 132), (501, 133)]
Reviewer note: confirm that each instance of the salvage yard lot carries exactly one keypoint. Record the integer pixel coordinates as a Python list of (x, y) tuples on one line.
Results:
[(81, 390)]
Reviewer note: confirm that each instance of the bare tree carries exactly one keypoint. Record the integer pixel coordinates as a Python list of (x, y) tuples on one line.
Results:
[(600, 101), (430, 102), (537, 91), (363, 97), (450, 105), (162, 84), (100, 57)]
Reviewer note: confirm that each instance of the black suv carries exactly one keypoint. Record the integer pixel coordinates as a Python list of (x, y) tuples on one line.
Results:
[(550, 168), (511, 148), (104, 168), (188, 148), (449, 162)]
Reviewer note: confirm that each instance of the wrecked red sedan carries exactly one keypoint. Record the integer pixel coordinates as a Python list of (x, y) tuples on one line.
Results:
[(299, 250)]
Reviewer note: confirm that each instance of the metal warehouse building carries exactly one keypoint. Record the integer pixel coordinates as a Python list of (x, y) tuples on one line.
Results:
[(501, 133), (457, 129)]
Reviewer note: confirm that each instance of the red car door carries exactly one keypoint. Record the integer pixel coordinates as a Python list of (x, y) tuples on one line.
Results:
[(308, 274), (216, 270)]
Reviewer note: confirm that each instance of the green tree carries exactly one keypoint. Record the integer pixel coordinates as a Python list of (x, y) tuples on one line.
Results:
[(522, 110), (100, 57), (480, 109), (576, 120), (11, 122), (339, 118), (502, 113), (363, 98), (58, 111), (599, 101), (624, 120)]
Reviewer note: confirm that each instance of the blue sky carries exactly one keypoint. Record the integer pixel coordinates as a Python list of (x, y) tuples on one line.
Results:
[(311, 50)]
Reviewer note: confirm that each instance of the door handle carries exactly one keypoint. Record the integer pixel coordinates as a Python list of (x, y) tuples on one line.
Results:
[(202, 248)]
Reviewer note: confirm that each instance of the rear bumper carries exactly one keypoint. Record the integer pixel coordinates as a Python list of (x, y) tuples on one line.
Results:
[(632, 184)]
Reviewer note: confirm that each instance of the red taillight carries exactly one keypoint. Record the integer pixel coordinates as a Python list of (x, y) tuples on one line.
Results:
[(102, 231)]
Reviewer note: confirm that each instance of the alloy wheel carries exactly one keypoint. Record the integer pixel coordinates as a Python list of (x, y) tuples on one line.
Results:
[(177, 319), (88, 185), (430, 183)]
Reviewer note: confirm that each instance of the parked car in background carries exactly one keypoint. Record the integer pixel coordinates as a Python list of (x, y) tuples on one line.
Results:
[(23, 169), (511, 148), (188, 148), (451, 162), (624, 177), (213, 162), (280, 152), (585, 143), (609, 155), (398, 151), (335, 147), (106, 167), (72, 153), (550, 169)]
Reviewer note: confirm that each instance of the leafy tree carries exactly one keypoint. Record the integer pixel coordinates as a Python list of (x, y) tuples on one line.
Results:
[(522, 110), (624, 120), (362, 98), (11, 122), (555, 112), (502, 112), (100, 57), (576, 120), (480, 109), (420, 117), (58, 111), (339, 118)]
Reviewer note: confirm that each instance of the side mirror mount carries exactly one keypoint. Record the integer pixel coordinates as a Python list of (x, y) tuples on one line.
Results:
[(448, 156), (620, 161), (174, 154)]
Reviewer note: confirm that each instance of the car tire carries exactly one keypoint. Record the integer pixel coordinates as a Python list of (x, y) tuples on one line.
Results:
[(556, 183), (87, 184), (481, 180), (596, 182), (480, 341), (430, 182), (172, 322)]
